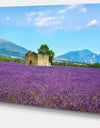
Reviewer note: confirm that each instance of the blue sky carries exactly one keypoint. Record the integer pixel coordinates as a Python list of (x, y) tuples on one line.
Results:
[(63, 28)]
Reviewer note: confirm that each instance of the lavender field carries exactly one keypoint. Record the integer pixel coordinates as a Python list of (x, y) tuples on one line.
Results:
[(62, 87)]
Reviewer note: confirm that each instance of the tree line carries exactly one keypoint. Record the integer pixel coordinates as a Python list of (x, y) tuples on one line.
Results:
[(45, 49), (95, 65), (11, 60)]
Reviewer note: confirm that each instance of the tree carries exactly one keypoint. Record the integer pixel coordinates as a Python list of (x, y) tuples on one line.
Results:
[(44, 48)]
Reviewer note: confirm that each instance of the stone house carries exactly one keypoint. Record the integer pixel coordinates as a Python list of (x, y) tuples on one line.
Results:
[(32, 58)]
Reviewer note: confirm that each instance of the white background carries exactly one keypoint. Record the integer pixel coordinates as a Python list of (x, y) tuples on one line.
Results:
[(21, 116), (43, 2)]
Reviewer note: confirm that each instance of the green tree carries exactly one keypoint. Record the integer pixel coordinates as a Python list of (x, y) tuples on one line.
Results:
[(44, 48)]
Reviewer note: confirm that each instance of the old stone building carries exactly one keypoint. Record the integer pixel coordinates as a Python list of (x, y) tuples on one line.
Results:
[(32, 58)]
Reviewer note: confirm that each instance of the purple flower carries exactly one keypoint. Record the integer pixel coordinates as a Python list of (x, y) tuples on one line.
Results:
[(64, 87)]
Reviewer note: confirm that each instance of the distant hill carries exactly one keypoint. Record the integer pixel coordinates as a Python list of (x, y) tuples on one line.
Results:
[(10, 49), (84, 56)]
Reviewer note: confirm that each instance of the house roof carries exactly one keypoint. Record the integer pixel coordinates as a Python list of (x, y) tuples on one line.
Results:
[(30, 52), (34, 52)]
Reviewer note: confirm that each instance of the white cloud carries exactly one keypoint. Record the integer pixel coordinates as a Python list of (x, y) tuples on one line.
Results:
[(70, 7), (93, 22), (44, 21), (7, 18), (50, 24), (30, 14), (50, 21), (80, 8), (73, 6), (62, 10)]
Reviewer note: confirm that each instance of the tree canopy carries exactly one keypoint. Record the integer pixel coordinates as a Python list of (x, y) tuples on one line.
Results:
[(44, 48)]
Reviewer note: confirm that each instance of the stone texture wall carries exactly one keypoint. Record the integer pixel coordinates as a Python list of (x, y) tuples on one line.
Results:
[(33, 58), (43, 60), (27, 58)]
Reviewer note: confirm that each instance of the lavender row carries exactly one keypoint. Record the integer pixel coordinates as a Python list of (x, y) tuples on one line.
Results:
[(62, 87)]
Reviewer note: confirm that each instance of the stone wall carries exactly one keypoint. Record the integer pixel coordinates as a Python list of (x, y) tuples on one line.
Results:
[(27, 58), (43, 60), (33, 58)]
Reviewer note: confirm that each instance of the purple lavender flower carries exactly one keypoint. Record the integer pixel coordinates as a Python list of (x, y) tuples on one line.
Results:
[(61, 87)]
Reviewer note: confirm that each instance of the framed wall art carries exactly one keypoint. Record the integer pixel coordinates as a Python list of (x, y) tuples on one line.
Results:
[(50, 56)]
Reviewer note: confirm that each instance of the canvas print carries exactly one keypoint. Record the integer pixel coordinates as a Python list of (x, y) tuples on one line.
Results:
[(50, 56)]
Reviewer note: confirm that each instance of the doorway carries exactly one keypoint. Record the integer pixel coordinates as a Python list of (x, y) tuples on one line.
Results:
[(30, 62)]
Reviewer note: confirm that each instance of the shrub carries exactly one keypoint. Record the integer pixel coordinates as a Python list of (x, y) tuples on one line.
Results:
[(95, 65)]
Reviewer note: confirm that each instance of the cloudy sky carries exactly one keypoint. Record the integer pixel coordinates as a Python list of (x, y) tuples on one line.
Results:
[(63, 28)]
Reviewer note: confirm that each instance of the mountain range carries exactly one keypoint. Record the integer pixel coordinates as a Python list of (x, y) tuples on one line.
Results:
[(83, 56), (9, 49)]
